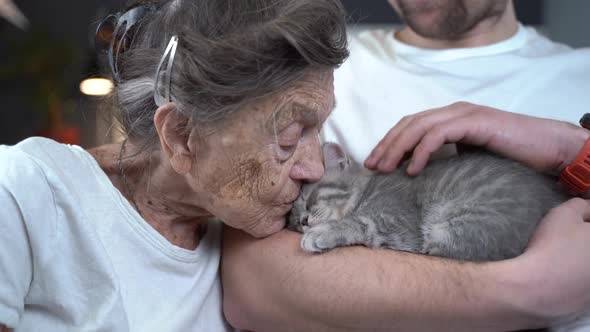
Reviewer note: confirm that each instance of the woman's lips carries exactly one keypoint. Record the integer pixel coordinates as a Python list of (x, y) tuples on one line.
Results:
[(291, 200), (287, 206)]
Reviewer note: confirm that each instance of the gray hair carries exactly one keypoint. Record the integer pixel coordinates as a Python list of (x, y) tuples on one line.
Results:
[(230, 53)]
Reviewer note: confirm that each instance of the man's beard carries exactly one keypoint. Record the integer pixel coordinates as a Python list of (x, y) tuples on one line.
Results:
[(450, 19)]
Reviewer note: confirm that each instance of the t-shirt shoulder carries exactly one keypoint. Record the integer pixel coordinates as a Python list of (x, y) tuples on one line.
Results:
[(20, 169), (45, 151), (32, 172), (29, 224), (376, 41), (56, 161), (25, 177), (538, 45), (368, 50)]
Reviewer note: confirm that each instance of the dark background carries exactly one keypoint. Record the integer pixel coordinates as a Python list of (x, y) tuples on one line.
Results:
[(40, 68)]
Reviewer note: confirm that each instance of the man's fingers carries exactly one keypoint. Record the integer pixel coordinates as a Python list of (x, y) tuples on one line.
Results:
[(404, 136), (581, 206), (385, 145), (377, 154), (447, 132), (424, 138), (404, 144), (408, 139)]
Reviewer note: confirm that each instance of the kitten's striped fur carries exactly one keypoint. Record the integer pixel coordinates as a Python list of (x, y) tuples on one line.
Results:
[(475, 206)]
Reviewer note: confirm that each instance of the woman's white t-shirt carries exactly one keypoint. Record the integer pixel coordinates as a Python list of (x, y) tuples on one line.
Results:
[(75, 256)]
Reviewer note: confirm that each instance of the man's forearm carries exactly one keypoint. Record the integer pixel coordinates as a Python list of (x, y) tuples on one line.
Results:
[(271, 285)]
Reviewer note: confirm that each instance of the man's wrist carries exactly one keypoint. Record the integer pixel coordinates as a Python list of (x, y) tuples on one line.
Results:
[(514, 292), (574, 150), (572, 144)]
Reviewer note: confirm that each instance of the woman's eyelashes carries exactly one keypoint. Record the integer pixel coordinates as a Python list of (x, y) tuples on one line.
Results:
[(291, 137), (288, 140)]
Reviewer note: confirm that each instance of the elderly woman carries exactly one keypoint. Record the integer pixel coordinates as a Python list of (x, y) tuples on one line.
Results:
[(222, 102)]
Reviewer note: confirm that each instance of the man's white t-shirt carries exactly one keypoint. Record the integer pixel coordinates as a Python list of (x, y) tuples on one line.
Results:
[(75, 256), (385, 79)]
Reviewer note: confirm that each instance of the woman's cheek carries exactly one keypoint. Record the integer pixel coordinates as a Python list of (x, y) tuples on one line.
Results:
[(244, 180)]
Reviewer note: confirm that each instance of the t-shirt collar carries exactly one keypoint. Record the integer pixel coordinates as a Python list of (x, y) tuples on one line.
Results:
[(434, 55)]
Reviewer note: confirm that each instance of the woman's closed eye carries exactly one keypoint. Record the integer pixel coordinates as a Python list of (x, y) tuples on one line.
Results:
[(288, 140)]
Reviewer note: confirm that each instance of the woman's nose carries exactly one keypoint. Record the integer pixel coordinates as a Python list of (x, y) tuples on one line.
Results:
[(309, 166)]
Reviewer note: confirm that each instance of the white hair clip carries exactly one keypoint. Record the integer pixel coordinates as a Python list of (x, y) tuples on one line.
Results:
[(169, 53)]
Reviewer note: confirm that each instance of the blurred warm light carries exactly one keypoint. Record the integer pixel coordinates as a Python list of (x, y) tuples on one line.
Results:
[(96, 86)]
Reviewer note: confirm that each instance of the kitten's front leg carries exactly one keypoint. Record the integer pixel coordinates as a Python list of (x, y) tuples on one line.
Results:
[(335, 233)]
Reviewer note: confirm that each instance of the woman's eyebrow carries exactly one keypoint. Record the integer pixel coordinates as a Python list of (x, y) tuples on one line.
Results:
[(307, 115), (289, 113)]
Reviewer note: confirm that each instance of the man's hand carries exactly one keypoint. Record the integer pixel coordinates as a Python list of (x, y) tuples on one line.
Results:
[(546, 145), (556, 261)]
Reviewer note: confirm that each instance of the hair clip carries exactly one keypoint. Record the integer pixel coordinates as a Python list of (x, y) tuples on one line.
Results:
[(113, 32), (169, 53)]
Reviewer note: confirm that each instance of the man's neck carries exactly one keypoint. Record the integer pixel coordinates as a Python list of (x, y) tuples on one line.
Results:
[(486, 32)]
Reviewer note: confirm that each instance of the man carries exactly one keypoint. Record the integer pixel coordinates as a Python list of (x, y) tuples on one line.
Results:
[(453, 50), (271, 285)]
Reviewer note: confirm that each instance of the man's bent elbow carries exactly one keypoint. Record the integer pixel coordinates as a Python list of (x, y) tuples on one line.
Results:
[(242, 308), (234, 313)]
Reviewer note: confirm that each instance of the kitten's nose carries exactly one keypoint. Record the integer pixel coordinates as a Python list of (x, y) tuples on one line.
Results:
[(304, 220)]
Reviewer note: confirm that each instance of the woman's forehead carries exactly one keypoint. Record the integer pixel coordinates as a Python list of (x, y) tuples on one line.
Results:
[(307, 102)]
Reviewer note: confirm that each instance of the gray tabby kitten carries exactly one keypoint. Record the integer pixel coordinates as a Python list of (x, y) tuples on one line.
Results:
[(475, 206)]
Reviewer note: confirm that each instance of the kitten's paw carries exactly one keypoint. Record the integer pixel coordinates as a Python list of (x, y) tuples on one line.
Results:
[(432, 250), (320, 238)]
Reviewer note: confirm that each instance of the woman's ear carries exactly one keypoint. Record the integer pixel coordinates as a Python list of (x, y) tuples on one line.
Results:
[(174, 137)]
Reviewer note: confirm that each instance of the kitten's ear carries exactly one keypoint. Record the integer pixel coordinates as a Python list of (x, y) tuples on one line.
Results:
[(334, 157)]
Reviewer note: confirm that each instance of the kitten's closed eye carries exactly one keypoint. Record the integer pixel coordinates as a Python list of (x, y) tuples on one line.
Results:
[(298, 216)]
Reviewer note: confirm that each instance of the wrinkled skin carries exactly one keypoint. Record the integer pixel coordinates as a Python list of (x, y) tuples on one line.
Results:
[(251, 168), (446, 19), (246, 170)]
